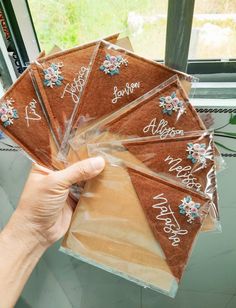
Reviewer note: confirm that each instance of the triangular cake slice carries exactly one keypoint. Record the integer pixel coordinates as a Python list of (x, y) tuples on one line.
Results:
[(175, 215), (149, 115), (26, 123), (166, 113), (189, 159), (117, 78), (60, 78)]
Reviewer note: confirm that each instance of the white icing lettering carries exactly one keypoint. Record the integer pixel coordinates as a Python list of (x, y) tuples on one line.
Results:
[(30, 112), (76, 86), (172, 226), (184, 173), (162, 129), (129, 89)]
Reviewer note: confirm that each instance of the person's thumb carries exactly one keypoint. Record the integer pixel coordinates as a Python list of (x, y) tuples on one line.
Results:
[(81, 171)]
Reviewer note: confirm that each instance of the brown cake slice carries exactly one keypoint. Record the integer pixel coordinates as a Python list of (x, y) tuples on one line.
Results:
[(157, 114), (146, 116), (31, 127), (25, 122), (175, 216), (117, 78), (60, 78), (188, 159)]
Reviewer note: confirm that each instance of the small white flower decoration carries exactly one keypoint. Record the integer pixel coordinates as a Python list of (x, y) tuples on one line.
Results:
[(189, 208), (171, 104), (52, 75), (111, 65), (197, 153), (8, 113)]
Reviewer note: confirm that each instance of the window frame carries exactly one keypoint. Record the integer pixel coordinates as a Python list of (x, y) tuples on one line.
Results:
[(213, 70), (19, 20), (207, 70)]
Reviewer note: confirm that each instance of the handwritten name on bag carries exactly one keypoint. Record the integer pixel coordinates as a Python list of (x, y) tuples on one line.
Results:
[(184, 173), (171, 225), (30, 112), (76, 86), (162, 129), (129, 89)]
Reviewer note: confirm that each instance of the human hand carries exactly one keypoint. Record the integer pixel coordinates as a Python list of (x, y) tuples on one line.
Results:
[(41, 218), (44, 208)]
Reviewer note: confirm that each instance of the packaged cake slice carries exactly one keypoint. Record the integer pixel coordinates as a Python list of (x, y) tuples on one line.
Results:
[(188, 159), (117, 77), (59, 80), (164, 111), (27, 123), (137, 225)]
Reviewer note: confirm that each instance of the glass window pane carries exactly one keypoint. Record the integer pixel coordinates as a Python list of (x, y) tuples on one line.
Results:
[(214, 30), (72, 22)]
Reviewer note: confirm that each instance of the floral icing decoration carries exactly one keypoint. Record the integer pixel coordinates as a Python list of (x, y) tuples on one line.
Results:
[(111, 65), (171, 104), (52, 75), (8, 113), (189, 208), (197, 153)]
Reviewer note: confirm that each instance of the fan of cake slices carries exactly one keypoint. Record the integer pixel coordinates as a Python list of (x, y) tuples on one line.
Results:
[(136, 112), (51, 96), (162, 160)]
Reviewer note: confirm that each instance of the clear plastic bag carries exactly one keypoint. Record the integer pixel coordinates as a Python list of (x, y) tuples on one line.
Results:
[(59, 80), (116, 78), (164, 111), (149, 116), (143, 237), (26, 122), (188, 159)]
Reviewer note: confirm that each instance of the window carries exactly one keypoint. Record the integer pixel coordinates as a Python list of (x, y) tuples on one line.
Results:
[(72, 22), (210, 52), (213, 30)]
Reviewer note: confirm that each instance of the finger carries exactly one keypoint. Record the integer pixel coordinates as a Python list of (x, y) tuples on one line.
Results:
[(81, 171)]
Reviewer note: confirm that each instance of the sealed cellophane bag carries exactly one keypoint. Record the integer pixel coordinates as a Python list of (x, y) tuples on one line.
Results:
[(59, 80), (163, 111), (135, 223), (188, 159), (164, 114), (116, 78), (25, 120)]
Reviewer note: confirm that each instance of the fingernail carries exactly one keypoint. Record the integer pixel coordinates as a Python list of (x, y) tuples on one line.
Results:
[(98, 163)]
